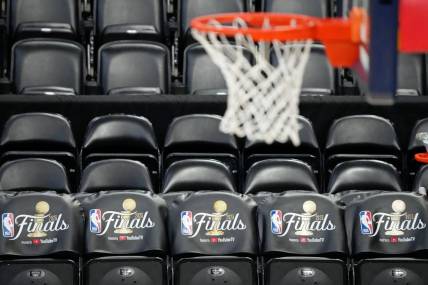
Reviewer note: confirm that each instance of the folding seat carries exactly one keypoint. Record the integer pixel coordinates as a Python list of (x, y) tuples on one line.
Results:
[(198, 136), (133, 68), (410, 75), (319, 77), (388, 238), (213, 238), (130, 19), (308, 150), (362, 137), (35, 174), (115, 174), (121, 136), (317, 8), (47, 67), (280, 175), (189, 9), (43, 18), (421, 179), (198, 175), (201, 75), (303, 239), (357, 178), (42, 239), (41, 135), (415, 146), (126, 239)]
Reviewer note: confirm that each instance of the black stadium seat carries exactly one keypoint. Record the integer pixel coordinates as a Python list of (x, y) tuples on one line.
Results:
[(189, 9), (316, 8), (308, 150), (121, 136), (213, 239), (410, 75), (421, 179), (46, 18), (198, 136), (362, 137), (201, 75), (133, 68), (415, 146), (280, 175), (33, 174), (191, 175), (47, 67), (387, 239), (126, 239), (302, 240), (130, 19), (364, 175), (41, 135), (46, 252), (115, 174)]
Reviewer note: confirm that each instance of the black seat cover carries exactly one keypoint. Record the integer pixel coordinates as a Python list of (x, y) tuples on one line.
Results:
[(49, 67), (115, 174), (317, 8), (197, 175), (388, 224), (133, 68), (33, 174), (421, 179), (364, 175), (416, 146), (410, 75), (59, 231), (280, 175), (301, 228), (127, 19), (30, 18)]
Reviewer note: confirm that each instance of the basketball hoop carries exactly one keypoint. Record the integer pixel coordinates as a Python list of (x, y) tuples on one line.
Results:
[(263, 102)]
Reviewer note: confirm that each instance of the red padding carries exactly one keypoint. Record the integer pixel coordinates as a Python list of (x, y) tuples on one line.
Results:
[(413, 25)]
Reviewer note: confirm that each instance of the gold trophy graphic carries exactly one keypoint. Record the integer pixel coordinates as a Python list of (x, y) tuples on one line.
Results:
[(309, 208), (129, 206), (220, 207), (398, 206), (42, 208)]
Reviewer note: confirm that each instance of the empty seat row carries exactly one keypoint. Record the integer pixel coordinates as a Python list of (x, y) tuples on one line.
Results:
[(212, 235), (198, 137)]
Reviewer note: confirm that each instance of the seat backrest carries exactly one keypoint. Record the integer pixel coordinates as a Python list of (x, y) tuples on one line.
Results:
[(38, 132), (416, 146), (43, 17), (189, 226), (280, 175), (410, 74), (189, 9), (362, 136), (198, 136), (317, 8), (319, 77), (47, 67), (197, 175), (34, 174), (134, 67), (115, 174), (281, 231), (145, 216), (121, 136), (364, 175), (129, 18)]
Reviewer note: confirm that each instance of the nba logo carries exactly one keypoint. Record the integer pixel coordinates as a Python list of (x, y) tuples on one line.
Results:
[(186, 223), (95, 221), (366, 222), (8, 225), (276, 222)]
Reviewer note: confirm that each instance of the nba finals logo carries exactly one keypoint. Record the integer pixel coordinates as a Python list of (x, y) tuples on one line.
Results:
[(123, 222), (215, 224), (36, 225), (395, 223), (302, 224)]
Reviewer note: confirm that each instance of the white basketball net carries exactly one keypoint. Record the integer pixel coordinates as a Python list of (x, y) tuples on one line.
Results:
[(263, 102)]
